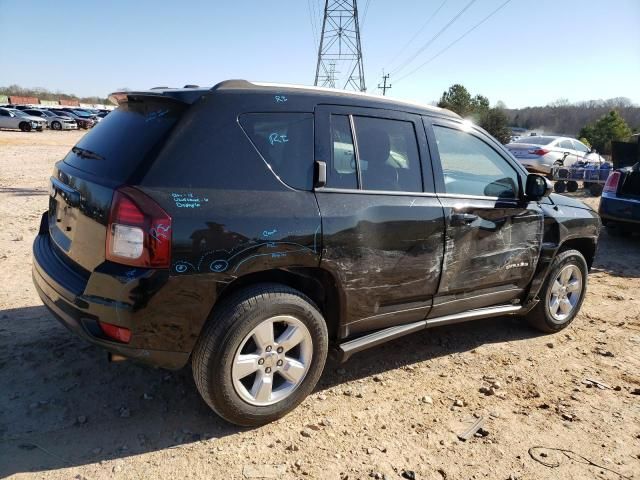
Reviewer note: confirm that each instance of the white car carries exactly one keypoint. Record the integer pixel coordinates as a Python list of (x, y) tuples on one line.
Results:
[(15, 119), (54, 122), (539, 153)]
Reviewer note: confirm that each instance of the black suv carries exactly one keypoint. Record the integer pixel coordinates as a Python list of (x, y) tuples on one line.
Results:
[(247, 227)]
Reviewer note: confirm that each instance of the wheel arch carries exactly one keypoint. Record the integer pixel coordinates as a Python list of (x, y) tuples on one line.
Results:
[(585, 245), (316, 283)]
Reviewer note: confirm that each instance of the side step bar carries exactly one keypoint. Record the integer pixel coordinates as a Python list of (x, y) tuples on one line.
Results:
[(346, 349)]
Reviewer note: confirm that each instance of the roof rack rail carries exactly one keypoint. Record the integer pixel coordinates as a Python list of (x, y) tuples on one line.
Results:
[(191, 86), (158, 88)]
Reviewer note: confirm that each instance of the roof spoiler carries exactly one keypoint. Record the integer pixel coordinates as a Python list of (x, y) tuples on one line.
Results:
[(181, 95)]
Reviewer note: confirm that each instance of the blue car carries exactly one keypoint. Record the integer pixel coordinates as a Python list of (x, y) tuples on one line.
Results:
[(620, 201)]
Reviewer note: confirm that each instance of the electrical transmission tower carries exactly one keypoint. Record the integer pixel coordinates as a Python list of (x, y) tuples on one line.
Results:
[(340, 46)]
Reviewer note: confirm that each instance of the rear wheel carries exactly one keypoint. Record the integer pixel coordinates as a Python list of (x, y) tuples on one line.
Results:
[(596, 189), (260, 355), (25, 126), (560, 186), (562, 294), (56, 125), (572, 186)]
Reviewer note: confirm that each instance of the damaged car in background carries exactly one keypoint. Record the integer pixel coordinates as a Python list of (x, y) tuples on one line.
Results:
[(307, 220), (620, 202)]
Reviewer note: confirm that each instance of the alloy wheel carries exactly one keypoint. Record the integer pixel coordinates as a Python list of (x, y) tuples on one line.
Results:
[(272, 360)]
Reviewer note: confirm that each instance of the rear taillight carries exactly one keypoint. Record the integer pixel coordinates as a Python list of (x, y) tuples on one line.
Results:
[(114, 332), (539, 151), (139, 231), (611, 184)]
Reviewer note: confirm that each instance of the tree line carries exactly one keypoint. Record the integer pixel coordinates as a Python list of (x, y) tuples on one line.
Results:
[(564, 118), (596, 122), (44, 94)]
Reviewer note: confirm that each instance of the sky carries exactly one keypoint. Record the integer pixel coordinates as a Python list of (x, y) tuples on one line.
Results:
[(528, 53)]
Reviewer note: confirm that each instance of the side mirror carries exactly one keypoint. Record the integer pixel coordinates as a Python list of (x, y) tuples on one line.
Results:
[(319, 174), (537, 187)]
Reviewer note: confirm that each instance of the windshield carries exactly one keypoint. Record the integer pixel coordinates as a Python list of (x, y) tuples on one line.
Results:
[(535, 140), (81, 113), (19, 113)]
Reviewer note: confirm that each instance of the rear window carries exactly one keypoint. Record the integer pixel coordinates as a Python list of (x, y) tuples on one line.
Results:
[(535, 140), (285, 141), (122, 140)]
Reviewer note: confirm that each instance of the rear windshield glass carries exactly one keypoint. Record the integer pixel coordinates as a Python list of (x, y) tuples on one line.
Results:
[(285, 141), (122, 140), (535, 140)]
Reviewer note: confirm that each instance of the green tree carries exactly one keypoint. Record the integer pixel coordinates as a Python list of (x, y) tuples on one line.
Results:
[(606, 129), (495, 121), (457, 99)]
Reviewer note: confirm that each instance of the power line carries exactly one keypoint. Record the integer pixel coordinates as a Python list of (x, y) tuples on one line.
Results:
[(364, 15), (455, 41), (424, 25), (434, 38), (314, 31)]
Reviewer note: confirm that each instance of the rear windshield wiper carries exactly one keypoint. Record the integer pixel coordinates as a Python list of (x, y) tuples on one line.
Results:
[(84, 153)]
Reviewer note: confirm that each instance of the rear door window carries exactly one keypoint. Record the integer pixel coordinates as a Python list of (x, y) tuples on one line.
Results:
[(388, 154), (285, 142), (119, 144), (342, 172)]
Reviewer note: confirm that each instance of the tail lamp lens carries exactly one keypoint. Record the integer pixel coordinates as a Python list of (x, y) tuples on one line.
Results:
[(611, 184), (139, 230)]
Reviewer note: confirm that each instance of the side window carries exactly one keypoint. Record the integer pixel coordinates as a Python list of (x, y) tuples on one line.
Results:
[(566, 144), (579, 146), (472, 167), (4, 113), (285, 141), (388, 154), (342, 171)]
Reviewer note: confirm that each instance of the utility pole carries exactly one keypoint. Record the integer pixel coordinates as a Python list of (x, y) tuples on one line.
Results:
[(384, 87), (340, 46)]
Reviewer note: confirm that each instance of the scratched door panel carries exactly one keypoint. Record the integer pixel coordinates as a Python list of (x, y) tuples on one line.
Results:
[(386, 253)]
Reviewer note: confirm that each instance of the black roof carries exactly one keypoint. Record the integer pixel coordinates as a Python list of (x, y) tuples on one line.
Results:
[(191, 94)]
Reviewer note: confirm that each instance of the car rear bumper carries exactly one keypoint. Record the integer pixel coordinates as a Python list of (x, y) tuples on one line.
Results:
[(61, 290), (620, 210)]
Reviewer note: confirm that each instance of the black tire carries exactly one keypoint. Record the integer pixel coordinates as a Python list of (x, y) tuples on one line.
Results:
[(227, 328), (540, 317), (25, 126), (572, 186), (56, 125), (559, 187), (595, 189)]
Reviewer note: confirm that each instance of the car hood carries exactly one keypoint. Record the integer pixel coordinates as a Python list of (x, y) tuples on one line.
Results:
[(568, 202)]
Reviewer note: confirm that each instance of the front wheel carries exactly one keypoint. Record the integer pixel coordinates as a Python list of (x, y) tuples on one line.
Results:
[(260, 354), (25, 126), (56, 125), (562, 294)]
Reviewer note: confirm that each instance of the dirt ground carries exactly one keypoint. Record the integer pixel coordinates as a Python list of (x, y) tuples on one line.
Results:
[(390, 412)]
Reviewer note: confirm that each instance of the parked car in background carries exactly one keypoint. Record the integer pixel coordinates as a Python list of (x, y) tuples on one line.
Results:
[(40, 124), (9, 118), (620, 202), (80, 112), (54, 122), (539, 153), (82, 121), (158, 250)]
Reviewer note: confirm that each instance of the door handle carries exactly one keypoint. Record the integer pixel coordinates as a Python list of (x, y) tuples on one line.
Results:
[(463, 218)]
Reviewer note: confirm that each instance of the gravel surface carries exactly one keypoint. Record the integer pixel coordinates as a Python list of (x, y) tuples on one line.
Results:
[(391, 412)]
